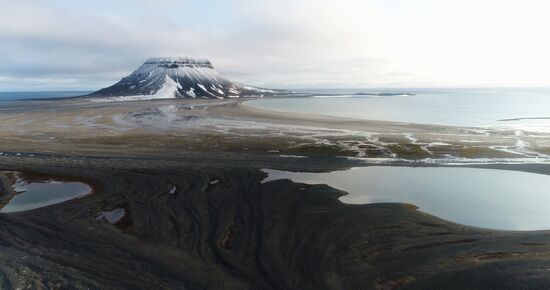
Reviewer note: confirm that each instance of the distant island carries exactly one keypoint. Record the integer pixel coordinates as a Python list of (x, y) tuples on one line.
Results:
[(520, 119), (384, 94)]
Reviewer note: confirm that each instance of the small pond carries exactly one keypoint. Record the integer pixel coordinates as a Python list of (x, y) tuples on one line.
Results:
[(32, 194)]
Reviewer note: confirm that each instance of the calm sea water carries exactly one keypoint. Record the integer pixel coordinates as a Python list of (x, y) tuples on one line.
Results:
[(487, 198), (529, 107), (16, 96)]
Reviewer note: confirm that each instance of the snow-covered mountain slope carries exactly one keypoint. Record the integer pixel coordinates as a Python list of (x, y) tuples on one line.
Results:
[(180, 77)]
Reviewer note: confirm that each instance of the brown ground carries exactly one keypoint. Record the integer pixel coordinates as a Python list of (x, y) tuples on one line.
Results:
[(172, 128)]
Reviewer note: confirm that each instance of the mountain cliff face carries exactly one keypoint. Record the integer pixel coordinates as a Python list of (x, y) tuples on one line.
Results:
[(180, 77)]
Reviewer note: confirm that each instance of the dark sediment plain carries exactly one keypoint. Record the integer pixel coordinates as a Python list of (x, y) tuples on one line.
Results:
[(179, 202)]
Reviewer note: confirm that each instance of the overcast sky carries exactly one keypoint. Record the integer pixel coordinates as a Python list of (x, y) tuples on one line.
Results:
[(68, 44)]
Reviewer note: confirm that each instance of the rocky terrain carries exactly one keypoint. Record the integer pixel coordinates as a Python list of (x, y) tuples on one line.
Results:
[(195, 227)]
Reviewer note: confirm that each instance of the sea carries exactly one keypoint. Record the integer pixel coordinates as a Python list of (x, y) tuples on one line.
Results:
[(524, 108)]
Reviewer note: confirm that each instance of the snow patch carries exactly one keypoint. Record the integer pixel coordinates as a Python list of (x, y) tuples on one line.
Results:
[(191, 93), (216, 89), (258, 89), (203, 88), (113, 216), (167, 91), (173, 190), (292, 156)]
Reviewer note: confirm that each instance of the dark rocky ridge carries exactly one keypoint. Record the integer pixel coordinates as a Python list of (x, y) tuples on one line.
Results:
[(181, 78)]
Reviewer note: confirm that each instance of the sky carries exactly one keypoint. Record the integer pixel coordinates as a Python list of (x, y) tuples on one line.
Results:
[(87, 45)]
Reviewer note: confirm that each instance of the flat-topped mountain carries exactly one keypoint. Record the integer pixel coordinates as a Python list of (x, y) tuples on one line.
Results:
[(180, 77)]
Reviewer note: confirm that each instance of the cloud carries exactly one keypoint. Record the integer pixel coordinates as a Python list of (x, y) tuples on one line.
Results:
[(302, 43)]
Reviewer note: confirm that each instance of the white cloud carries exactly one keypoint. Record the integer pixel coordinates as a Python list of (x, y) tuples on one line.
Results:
[(282, 43)]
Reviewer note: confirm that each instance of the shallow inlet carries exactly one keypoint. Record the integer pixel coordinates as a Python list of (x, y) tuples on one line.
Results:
[(485, 198), (36, 194)]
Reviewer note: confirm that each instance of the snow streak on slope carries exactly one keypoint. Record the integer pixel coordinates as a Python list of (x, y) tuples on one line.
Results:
[(167, 91)]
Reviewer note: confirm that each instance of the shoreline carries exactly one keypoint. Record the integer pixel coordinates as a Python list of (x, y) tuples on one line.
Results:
[(186, 174), (99, 128), (498, 124)]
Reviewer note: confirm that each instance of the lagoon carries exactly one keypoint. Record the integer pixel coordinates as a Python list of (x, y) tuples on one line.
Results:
[(485, 198)]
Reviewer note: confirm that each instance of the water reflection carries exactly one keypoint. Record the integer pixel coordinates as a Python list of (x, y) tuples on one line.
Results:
[(487, 198), (31, 194)]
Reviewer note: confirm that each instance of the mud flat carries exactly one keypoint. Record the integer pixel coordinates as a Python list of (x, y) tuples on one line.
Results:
[(179, 203), (183, 128)]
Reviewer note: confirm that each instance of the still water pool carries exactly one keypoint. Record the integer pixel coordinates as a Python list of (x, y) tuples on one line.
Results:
[(36, 194), (486, 198)]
